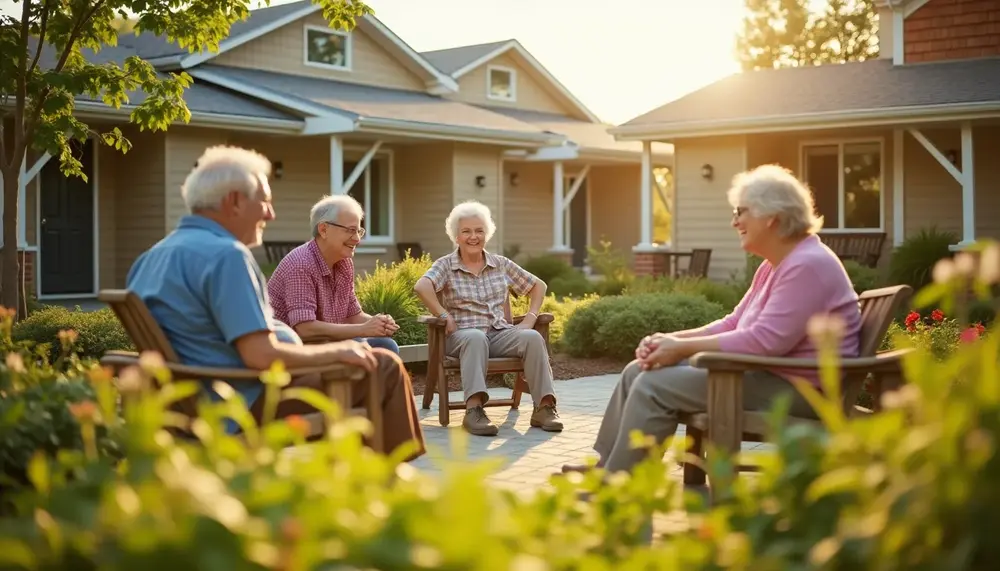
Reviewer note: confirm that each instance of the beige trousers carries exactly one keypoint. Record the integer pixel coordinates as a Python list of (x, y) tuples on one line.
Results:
[(650, 401), (473, 347)]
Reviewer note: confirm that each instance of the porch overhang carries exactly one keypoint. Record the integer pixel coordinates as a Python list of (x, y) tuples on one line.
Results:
[(807, 121)]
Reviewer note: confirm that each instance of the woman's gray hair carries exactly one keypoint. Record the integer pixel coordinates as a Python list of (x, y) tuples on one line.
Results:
[(772, 190), (220, 170), (328, 209), (469, 209)]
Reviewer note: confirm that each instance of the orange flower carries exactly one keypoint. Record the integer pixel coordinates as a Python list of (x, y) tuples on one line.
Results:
[(15, 362), (298, 424), (84, 410)]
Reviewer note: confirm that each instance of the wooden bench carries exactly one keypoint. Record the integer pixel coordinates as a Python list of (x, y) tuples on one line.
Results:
[(275, 251), (439, 365), (147, 335), (727, 425), (864, 248)]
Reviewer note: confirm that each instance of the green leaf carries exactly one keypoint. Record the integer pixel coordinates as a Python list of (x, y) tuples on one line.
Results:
[(38, 473)]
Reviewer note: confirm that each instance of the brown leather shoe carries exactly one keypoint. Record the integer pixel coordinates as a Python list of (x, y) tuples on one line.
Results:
[(476, 422), (547, 418), (582, 468)]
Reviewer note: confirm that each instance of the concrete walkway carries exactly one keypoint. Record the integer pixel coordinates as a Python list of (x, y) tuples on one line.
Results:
[(529, 456)]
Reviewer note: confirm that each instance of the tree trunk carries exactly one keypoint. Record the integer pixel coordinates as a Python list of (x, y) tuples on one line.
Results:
[(10, 284)]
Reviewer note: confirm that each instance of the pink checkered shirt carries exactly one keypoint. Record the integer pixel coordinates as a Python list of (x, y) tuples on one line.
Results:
[(304, 288), (478, 301)]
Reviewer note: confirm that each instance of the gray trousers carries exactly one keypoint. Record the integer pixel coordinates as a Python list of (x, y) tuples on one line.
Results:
[(473, 347), (650, 401)]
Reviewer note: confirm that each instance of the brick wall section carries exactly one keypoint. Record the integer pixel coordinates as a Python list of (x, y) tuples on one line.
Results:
[(26, 265), (952, 29), (649, 263)]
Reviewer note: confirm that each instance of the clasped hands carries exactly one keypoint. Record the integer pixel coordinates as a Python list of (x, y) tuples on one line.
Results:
[(660, 350), (381, 325)]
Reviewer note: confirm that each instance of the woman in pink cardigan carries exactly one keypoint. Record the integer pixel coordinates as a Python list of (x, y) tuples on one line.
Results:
[(799, 278)]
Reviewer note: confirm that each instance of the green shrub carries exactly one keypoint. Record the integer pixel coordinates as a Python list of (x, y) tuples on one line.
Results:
[(98, 331), (914, 259), (267, 268), (560, 310), (613, 267), (389, 289), (547, 267), (574, 283), (863, 277), (728, 295), (613, 326)]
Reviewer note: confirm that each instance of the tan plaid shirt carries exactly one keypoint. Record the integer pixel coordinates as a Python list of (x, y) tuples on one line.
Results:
[(477, 301)]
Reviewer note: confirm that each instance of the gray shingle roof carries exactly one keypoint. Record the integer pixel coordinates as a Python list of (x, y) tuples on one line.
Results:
[(453, 59), (375, 102), (873, 84), (149, 46)]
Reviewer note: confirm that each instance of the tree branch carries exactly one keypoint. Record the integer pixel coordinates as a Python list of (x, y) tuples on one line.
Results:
[(29, 129), (41, 37), (22, 80)]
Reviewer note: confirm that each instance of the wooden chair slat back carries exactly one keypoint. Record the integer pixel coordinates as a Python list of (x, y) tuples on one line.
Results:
[(139, 323), (700, 258), (878, 307)]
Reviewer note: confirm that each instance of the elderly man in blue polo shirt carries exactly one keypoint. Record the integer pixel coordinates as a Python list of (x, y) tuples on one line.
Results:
[(205, 289)]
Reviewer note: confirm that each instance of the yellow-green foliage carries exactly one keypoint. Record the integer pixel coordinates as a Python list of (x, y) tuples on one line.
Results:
[(389, 289), (561, 311)]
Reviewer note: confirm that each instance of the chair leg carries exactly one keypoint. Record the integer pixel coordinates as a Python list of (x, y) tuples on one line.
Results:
[(519, 387), (693, 475), (430, 385), (444, 411)]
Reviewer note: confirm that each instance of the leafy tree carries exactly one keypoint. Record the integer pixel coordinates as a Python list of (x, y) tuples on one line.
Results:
[(38, 87), (786, 33)]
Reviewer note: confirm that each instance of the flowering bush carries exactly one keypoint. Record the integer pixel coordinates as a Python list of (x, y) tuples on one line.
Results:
[(936, 333)]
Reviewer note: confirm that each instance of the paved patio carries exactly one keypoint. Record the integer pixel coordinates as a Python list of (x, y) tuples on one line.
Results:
[(529, 456)]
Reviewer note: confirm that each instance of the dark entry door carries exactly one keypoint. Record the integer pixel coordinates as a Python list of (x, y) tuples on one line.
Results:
[(578, 217), (66, 225)]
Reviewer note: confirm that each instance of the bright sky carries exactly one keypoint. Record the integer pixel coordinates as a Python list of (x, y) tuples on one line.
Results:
[(621, 58)]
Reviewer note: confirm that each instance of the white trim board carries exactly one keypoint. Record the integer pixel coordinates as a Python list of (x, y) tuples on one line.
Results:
[(840, 142), (511, 72), (536, 66), (348, 48)]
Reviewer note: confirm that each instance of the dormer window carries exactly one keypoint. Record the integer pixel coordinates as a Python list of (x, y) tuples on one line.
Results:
[(501, 83), (330, 49)]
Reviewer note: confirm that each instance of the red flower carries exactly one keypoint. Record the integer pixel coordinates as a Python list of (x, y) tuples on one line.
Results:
[(980, 328), (937, 315), (911, 320), (970, 335)]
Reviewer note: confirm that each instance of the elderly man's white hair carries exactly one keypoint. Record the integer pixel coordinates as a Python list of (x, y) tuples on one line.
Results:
[(221, 170), (330, 207), (469, 209), (772, 190)]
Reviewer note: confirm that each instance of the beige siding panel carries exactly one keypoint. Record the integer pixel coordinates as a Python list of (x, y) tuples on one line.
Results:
[(531, 91), (932, 196), (527, 208), (703, 211), (283, 51), (109, 164), (987, 149), (472, 161), (140, 199), (615, 206), (424, 195)]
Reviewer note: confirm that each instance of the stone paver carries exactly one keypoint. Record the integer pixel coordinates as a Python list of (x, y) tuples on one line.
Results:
[(528, 456)]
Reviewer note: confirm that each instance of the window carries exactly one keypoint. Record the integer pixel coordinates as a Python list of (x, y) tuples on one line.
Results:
[(373, 189), (327, 48), (501, 83), (846, 180)]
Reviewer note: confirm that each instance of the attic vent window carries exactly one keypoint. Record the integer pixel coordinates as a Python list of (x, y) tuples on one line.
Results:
[(501, 83), (326, 48)]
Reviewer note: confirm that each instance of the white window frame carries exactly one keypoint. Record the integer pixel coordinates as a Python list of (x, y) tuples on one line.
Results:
[(348, 48), (354, 154), (489, 83), (841, 196)]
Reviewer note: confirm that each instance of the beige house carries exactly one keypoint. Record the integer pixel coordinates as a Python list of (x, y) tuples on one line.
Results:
[(889, 146), (408, 134)]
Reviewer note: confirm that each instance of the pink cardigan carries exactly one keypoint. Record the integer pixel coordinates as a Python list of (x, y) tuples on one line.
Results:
[(772, 317)]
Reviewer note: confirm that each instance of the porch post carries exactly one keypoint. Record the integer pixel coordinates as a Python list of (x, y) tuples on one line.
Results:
[(968, 188), (646, 197), (336, 165), (557, 207), (898, 188)]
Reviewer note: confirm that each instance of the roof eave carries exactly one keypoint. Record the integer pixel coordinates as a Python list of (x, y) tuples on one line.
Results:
[(834, 119), (85, 109), (380, 125)]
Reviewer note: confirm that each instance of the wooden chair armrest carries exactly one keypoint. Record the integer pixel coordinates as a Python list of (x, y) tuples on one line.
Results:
[(887, 361), (431, 320), (178, 370), (543, 319)]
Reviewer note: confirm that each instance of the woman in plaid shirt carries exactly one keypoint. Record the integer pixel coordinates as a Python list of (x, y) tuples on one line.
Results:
[(469, 288)]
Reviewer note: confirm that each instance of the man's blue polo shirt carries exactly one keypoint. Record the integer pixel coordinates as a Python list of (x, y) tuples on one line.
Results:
[(205, 289)]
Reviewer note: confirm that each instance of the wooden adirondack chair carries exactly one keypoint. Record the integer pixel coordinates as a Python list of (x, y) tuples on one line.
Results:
[(147, 335), (439, 365), (726, 423)]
